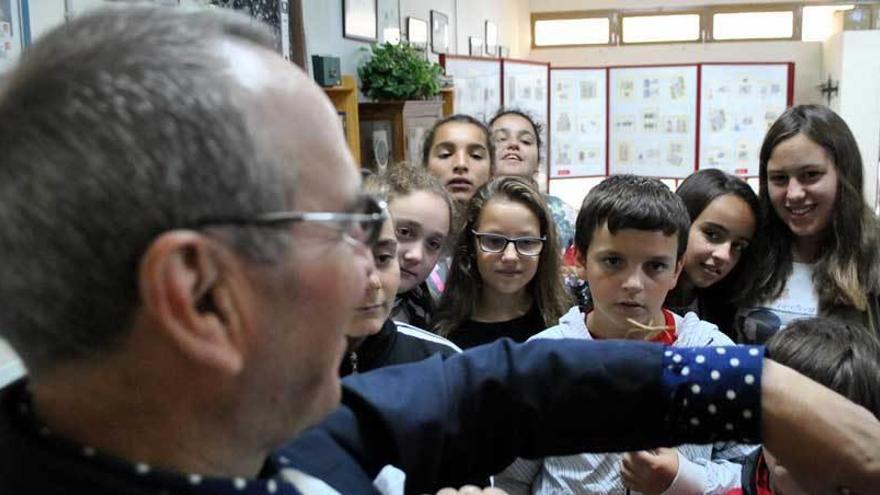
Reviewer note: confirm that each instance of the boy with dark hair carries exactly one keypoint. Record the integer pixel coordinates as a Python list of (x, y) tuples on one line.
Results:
[(841, 356), (631, 235)]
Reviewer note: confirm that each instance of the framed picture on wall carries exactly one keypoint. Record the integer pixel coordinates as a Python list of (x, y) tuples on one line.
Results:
[(476, 46), (491, 38), (439, 32), (359, 20), (417, 32)]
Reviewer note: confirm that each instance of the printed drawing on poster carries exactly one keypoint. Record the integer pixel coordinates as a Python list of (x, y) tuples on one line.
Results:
[(563, 122), (626, 89), (590, 124)]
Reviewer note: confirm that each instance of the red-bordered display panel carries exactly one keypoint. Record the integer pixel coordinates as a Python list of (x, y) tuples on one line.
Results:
[(738, 103), (578, 122), (652, 120)]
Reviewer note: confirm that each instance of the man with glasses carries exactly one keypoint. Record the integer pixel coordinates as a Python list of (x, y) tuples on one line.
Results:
[(183, 245)]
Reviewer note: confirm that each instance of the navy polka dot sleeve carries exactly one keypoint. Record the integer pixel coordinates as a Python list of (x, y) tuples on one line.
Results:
[(716, 392)]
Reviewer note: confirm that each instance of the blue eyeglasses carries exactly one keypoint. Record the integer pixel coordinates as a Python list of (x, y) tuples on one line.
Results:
[(363, 225)]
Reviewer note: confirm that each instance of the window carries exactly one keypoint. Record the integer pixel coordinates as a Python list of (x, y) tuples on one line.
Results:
[(807, 20), (661, 28), (570, 30), (753, 25), (818, 21)]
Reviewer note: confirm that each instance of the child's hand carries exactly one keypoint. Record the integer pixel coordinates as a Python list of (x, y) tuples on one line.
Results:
[(649, 471)]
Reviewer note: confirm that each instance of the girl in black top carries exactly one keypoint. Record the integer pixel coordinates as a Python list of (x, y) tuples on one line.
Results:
[(505, 275)]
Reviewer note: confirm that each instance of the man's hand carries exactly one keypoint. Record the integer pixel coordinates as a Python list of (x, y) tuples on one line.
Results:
[(649, 471), (471, 490)]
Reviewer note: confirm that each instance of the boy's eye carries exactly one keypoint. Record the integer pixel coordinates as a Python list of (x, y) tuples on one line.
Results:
[(612, 262), (657, 266), (477, 156)]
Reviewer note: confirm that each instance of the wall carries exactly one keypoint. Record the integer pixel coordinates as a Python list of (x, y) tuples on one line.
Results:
[(323, 22), (851, 60)]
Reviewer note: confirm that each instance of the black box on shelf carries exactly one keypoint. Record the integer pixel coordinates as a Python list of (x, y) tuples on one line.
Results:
[(326, 70)]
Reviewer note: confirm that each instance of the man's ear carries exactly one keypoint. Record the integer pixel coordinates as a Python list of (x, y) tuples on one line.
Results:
[(190, 296)]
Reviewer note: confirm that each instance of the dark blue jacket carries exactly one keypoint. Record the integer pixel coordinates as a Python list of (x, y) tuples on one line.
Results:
[(444, 422)]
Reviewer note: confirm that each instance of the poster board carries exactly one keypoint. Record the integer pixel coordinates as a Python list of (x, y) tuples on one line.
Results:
[(526, 87), (477, 85), (653, 120), (578, 122), (738, 104)]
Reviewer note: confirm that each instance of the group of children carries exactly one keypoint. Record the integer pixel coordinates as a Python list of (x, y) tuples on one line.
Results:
[(472, 252)]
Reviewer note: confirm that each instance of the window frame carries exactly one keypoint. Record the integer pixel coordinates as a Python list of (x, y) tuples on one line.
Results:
[(659, 13), (794, 8), (570, 15)]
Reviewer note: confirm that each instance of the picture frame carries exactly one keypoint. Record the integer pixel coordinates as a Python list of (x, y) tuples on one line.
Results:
[(360, 20), (491, 37), (475, 46), (417, 32), (439, 32)]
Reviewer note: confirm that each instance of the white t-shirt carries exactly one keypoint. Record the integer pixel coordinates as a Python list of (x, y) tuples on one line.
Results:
[(798, 300)]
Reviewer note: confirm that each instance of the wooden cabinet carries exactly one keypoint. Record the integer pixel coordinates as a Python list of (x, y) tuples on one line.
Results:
[(345, 99)]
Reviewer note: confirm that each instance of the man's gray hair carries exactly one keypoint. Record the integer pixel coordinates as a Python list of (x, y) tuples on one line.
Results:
[(114, 128)]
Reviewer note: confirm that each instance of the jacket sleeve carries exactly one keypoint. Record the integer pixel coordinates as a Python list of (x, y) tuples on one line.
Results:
[(465, 418)]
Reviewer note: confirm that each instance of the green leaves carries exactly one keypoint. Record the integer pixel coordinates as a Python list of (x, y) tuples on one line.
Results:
[(399, 72)]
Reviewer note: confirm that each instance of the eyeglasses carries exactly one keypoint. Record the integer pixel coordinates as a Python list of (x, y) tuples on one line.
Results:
[(495, 243), (362, 225)]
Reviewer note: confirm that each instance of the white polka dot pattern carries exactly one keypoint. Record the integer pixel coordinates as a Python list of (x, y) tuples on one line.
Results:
[(715, 392)]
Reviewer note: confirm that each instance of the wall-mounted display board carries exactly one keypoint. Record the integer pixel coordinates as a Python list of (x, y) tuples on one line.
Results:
[(578, 117), (738, 104), (653, 120), (526, 87), (477, 85)]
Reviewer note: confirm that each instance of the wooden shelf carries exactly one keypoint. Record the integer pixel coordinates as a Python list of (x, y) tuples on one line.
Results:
[(345, 99)]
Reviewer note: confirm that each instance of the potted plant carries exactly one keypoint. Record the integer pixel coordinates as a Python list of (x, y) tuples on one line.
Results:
[(404, 87), (399, 72)]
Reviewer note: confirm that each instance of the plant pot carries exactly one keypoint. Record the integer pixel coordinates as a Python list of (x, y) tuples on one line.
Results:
[(392, 131)]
